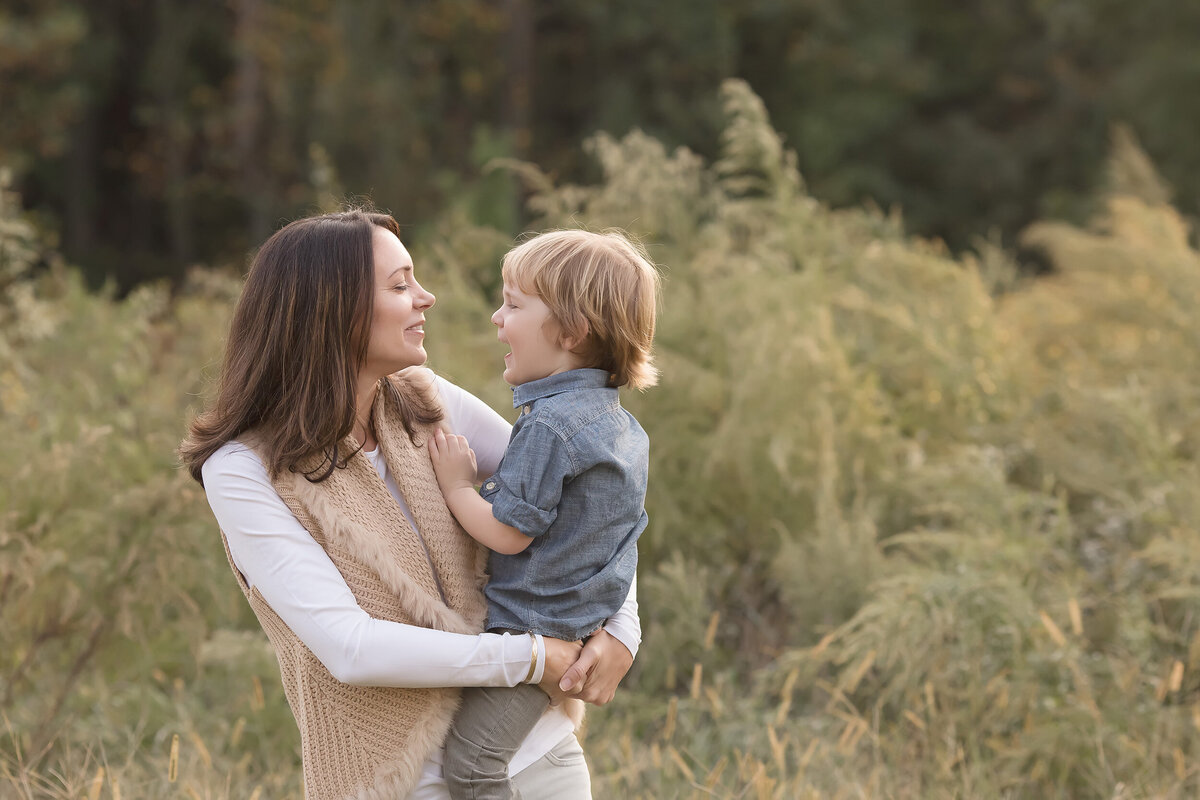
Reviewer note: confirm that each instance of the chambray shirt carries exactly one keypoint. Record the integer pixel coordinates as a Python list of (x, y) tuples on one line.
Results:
[(574, 479)]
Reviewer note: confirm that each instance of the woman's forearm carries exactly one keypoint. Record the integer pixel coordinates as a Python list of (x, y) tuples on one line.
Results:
[(294, 575), (393, 654)]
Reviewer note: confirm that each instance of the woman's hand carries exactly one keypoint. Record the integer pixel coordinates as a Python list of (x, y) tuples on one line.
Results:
[(453, 462), (560, 656), (601, 666)]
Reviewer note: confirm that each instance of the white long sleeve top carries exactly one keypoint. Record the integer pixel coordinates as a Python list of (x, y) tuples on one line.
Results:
[(276, 555)]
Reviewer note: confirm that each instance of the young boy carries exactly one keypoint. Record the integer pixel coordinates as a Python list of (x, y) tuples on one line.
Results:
[(563, 512)]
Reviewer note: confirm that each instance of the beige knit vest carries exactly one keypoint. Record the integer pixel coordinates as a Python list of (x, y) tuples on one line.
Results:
[(369, 743)]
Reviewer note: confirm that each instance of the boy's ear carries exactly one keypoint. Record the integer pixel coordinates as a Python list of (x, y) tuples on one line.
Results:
[(569, 342)]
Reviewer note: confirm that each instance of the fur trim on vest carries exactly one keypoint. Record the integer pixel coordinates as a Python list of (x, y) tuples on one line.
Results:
[(369, 743)]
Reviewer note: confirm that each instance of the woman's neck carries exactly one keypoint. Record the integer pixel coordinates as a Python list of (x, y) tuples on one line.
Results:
[(364, 432)]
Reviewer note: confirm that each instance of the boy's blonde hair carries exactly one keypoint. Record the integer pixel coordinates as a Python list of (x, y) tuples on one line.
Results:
[(602, 291)]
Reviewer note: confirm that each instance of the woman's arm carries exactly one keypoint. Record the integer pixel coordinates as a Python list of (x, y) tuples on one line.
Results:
[(277, 556), (600, 668), (607, 656)]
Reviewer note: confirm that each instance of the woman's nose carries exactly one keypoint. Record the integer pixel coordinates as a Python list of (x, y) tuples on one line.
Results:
[(428, 298)]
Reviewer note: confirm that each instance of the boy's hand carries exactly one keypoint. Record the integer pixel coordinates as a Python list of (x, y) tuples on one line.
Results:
[(455, 468), (453, 462)]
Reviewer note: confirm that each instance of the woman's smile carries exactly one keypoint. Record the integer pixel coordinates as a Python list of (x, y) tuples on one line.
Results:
[(398, 297)]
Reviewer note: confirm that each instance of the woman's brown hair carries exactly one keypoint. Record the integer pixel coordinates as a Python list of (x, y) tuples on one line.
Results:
[(297, 340)]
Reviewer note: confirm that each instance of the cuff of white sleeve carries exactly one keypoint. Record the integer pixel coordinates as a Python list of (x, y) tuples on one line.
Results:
[(624, 635)]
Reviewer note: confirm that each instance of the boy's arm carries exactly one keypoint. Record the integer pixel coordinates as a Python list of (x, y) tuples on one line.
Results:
[(454, 466)]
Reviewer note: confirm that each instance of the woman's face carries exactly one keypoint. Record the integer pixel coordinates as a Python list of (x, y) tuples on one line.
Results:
[(398, 327)]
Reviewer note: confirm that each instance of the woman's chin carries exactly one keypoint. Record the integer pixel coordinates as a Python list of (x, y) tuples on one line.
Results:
[(417, 359)]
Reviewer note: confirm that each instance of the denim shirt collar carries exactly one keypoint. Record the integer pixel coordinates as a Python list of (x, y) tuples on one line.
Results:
[(562, 382)]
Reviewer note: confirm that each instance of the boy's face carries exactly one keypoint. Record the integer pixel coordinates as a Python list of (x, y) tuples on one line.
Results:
[(537, 350)]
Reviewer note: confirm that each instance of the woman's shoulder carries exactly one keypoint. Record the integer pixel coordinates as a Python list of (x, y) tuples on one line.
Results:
[(233, 460)]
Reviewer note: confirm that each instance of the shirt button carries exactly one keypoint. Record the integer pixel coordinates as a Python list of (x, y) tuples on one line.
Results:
[(528, 408), (490, 485)]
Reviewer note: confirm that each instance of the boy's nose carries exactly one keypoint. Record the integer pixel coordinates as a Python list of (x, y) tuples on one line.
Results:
[(496, 317)]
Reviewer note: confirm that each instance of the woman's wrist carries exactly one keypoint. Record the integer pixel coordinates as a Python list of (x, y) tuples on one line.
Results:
[(622, 634), (537, 659)]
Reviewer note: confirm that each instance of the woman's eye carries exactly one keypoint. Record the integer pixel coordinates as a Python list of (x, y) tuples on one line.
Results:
[(401, 287)]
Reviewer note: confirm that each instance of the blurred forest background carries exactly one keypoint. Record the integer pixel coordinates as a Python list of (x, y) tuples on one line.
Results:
[(154, 134), (923, 499)]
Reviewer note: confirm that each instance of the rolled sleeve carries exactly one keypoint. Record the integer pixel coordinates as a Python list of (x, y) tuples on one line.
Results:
[(526, 489)]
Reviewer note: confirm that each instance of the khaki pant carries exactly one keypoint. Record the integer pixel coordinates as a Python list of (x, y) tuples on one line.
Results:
[(561, 774)]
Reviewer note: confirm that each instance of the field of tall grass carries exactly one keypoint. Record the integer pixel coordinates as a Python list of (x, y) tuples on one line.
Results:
[(921, 525)]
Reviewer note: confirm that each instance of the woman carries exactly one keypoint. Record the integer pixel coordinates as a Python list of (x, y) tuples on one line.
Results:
[(313, 459)]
